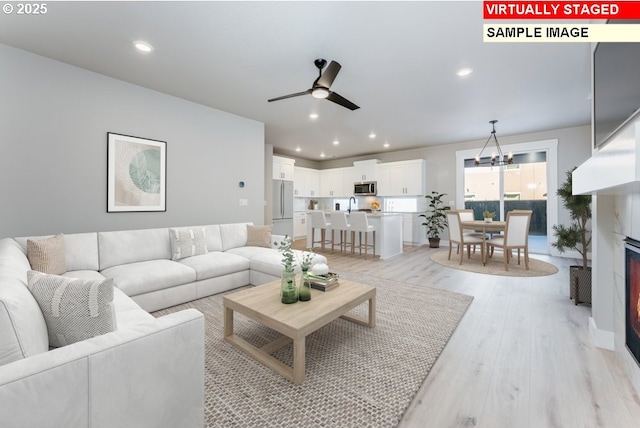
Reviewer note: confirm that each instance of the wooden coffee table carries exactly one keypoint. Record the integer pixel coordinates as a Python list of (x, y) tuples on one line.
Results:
[(294, 321)]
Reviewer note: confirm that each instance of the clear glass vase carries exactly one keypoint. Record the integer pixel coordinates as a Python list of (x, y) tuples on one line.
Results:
[(288, 289), (304, 290)]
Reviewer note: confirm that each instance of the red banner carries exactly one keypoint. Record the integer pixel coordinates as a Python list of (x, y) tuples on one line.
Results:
[(561, 10)]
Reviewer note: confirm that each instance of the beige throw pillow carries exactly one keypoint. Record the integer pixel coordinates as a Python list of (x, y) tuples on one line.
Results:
[(258, 236), (47, 255), (73, 309)]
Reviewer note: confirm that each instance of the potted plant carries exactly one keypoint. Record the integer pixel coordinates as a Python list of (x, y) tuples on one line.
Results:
[(288, 289), (575, 237), (488, 216), (435, 218)]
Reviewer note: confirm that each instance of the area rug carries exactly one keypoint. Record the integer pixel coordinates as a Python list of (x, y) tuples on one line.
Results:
[(355, 376), (495, 264)]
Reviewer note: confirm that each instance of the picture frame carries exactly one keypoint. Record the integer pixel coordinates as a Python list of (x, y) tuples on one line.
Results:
[(136, 174)]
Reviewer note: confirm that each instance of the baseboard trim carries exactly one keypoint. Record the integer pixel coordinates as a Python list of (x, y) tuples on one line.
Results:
[(601, 338)]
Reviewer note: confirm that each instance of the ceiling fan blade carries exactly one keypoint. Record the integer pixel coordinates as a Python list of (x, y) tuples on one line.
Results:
[(284, 97), (338, 99), (329, 75)]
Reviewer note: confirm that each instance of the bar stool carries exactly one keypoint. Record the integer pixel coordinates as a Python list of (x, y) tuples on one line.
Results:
[(359, 223), (319, 221), (339, 223)]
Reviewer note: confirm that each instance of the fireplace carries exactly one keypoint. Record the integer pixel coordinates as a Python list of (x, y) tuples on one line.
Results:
[(632, 297)]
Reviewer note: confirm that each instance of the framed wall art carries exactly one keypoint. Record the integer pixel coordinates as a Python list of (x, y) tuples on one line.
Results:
[(136, 174)]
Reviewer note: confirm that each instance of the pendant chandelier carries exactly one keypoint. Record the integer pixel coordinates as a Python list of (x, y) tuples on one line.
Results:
[(496, 159)]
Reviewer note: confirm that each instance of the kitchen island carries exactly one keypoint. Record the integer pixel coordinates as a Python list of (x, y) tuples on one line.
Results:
[(388, 233)]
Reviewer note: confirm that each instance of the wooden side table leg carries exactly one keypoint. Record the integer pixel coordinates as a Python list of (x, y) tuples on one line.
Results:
[(298, 360)]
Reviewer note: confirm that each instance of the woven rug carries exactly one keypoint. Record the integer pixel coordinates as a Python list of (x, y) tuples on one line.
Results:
[(495, 264), (355, 376)]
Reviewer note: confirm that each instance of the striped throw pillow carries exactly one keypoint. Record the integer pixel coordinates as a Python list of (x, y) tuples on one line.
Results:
[(74, 309), (187, 242)]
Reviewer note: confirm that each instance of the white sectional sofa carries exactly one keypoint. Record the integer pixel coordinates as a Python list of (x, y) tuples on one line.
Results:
[(150, 371)]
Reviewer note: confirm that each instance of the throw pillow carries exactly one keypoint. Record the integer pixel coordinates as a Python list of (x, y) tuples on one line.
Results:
[(74, 309), (258, 236), (47, 255), (187, 243)]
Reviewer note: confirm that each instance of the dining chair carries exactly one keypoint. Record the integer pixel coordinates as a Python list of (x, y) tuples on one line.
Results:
[(457, 236), (360, 223), (319, 221), (516, 236), (339, 223), (467, 215)]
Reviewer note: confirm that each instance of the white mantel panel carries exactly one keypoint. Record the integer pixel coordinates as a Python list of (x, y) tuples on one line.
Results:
[(615, 168)]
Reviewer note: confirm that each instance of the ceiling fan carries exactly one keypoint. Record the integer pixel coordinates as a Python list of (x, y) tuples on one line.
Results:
[(320, 87)]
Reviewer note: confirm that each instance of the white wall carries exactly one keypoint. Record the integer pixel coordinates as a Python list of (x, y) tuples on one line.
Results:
[(54, 120)]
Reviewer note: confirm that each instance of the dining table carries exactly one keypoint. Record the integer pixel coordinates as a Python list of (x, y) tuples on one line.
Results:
[(484, 227)]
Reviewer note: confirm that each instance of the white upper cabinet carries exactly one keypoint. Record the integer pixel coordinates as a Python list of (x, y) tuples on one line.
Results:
[(365, 170), (306, 182), (405, 178), (283, 168), (336, 182)]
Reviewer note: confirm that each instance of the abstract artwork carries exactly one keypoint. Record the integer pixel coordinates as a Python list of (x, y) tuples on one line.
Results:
[(136, 174)]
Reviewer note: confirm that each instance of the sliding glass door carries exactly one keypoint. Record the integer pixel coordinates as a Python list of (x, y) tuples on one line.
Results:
[(521, 186)]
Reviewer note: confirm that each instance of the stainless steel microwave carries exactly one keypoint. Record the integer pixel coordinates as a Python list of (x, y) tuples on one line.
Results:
[(365, 188)]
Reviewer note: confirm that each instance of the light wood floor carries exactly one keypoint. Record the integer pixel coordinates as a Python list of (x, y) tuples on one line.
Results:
[(521, 356)]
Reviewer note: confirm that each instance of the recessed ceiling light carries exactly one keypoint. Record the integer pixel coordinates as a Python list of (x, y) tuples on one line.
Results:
[(336, 142), (143, 46), (464, 71), (298, 149), (386, 145), (372, 135), (313, 115), (322, 154)]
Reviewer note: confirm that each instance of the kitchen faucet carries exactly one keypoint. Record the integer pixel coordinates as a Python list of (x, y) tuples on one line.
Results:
[(354, 201)]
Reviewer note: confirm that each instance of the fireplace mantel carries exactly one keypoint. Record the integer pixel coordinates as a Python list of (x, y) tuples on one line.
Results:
[(615, 168)]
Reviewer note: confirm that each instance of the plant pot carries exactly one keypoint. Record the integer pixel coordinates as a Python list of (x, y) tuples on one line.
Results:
[(488, 219), (434, 242), (580, 284)]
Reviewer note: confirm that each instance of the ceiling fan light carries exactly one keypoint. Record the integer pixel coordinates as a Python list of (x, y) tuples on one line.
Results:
[(320, 93)]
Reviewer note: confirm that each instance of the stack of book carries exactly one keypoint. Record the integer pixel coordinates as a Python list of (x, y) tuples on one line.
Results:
[(324, 282)]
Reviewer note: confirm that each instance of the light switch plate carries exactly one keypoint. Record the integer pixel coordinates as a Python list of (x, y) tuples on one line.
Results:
[(244, 202)]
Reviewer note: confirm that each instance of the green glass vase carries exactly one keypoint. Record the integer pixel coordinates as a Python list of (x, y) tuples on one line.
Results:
[(304, 290), (288, 289)]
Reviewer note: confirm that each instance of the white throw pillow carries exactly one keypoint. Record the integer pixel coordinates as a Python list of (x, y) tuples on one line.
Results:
[(74, 309), (187, 242)]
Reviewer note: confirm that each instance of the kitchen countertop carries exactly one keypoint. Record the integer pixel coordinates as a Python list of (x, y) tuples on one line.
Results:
[(370, 214)]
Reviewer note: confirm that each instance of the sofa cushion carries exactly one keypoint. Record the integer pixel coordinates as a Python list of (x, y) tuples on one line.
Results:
[(269, 261), (47, 255), (131, 246), (23, 332), (81, 250), (214, 240), (187, 242), (144, 277), (216, 264), (259, 236), (128, 313), (74, 309), (233, 235)]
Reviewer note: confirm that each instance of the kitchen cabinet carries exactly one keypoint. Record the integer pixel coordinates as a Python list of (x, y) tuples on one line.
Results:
[(306, 182), (336, 182), (405, 178), (283, 168), (299, 225), (365, 170), (413, 232)]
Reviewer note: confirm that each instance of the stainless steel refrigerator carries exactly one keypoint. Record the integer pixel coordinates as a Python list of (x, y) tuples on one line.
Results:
[(282, 207)]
